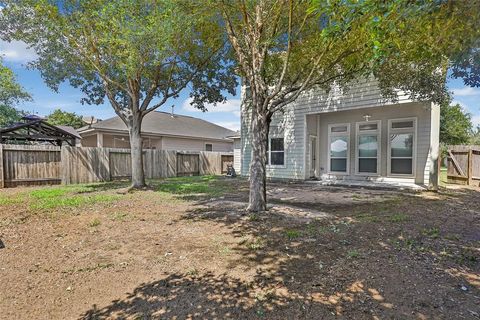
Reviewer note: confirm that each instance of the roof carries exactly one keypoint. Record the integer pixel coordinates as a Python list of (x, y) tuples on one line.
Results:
[(70, 130), (163, 123), (235, 135)]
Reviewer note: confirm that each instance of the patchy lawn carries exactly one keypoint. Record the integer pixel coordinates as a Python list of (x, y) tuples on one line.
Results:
[(185, 249)]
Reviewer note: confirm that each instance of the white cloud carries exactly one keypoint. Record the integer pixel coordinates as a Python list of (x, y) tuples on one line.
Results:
[(16, 51), (465, 91), (463, 105), (232, 125), (231, 105), (476, 121)]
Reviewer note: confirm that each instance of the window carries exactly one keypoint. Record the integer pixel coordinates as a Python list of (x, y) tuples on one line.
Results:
[(276, 152), (208, 147), (401, 146), (338, 148), (368, 145)]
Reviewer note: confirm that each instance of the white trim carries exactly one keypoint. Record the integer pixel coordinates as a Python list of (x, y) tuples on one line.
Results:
[(378, 132), (314, 169), (276, 136), (338, 134), (414, 147)]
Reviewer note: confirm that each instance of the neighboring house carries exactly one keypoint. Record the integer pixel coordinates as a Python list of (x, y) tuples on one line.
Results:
[(162, 131), (352, 135), (237, 152)]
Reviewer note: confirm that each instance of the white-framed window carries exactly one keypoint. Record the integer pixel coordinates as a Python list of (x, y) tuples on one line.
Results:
[(339, 148), (276, 151), (208, 147), (402, 140), (368, 137)]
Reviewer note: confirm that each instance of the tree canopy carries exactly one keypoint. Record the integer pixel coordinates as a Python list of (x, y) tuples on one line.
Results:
[(285, 48), (136, 54), (11, 93), (455, 124), (64, 118)]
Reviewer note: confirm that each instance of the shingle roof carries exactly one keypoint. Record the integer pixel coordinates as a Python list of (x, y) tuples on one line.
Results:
[(162, 123), (70, 130)]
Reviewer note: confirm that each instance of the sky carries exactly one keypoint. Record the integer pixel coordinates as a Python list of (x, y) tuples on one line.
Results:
[(16, 55)]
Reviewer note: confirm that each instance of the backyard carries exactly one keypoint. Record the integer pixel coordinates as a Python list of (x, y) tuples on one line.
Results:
[(184, 248)]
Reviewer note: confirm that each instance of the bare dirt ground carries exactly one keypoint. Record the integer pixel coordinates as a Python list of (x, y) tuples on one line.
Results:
[(186, 250)]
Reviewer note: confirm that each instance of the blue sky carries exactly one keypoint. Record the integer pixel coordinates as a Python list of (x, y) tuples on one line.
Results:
[(16, 55)]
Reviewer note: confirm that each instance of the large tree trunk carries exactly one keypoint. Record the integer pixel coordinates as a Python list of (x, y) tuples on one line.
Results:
[(138, 176), (258, 176)]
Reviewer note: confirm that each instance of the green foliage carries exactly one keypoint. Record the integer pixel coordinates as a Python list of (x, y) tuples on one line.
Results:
[(11, 93), (398, 217), (455, 125), (94, 223), (131, 52), (353, 254), (9, 115), (292, 234), (475, 138), (137, 54), (49, 199), (64, 118)]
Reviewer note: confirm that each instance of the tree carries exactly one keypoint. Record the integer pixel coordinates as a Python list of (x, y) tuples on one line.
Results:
[(455, 124), (11, 93), (64, 118), (285, 48), (137, 54), (475, 138)]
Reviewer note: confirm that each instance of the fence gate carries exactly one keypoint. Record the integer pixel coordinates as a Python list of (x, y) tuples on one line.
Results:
[(120, 165), (463, 165), (188, 164), (227, 160)]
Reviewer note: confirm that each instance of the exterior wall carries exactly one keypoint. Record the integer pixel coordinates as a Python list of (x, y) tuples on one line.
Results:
[(195, 145), (420, 111), (237, 155), (89, 141), (296, 124), (159, 143)]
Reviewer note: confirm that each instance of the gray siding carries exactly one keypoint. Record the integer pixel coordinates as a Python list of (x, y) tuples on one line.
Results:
[(296, 124), (237, 155)]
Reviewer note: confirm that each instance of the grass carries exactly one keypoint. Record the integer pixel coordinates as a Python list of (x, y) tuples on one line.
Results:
[(119, 216), (94, 223), (368, 217), (255, 244), (398, 217), (431, 232), (443, 176), (190, 186), (353, 254), (292, 234), (53, 198)]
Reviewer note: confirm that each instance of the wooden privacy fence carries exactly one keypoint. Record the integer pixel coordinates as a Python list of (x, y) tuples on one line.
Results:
[(34, 165), (463, 165)]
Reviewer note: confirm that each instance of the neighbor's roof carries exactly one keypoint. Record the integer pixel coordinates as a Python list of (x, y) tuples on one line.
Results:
[(163, 123), (70, 130)]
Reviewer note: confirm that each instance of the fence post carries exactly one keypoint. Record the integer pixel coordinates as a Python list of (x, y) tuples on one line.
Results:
[(2, 175), (470, 167)]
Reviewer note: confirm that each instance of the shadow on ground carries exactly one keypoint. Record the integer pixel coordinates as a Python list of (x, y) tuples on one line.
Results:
[(410, 257)]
